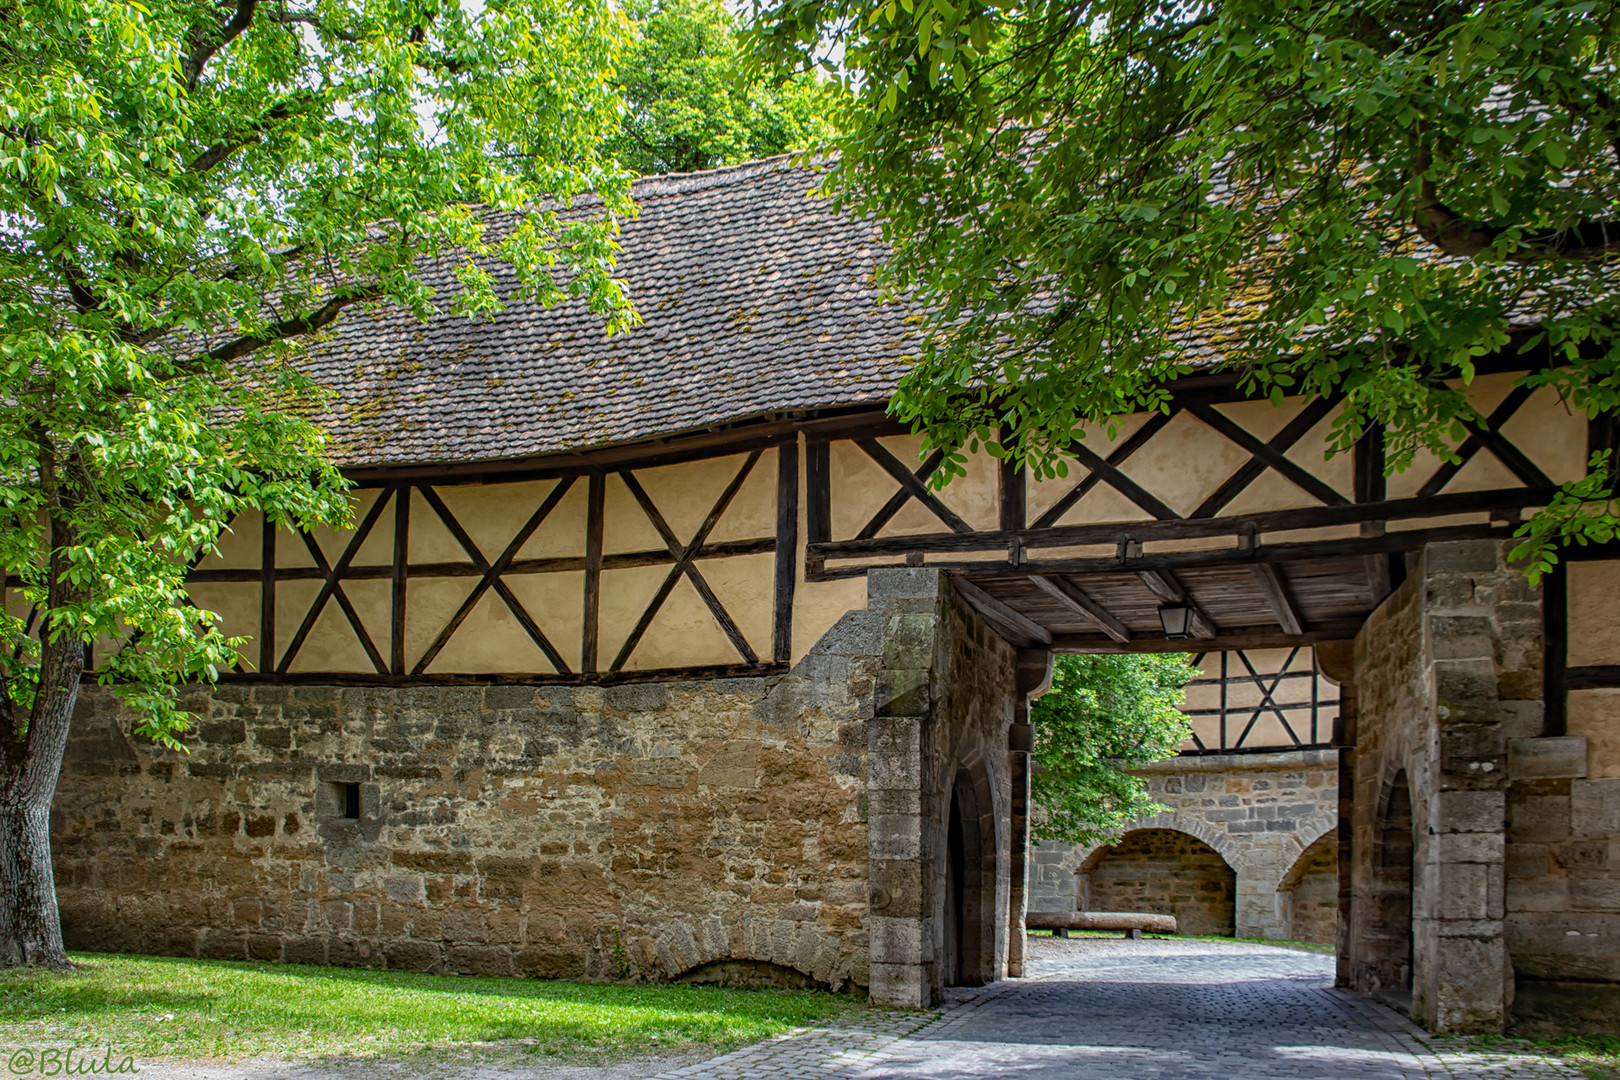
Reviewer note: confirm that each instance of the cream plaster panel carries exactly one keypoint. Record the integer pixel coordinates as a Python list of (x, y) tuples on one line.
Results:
[(976, 497), (237, 606), (1271, 490), (1262, 419), (685, 633), (556, 602), (562, 534), (490, 641), (239, 545), (625, 525), (491, 514), (1103, 503), (1310, 453), (1184, 463), (1405, 484), (682, 634), (1550, 435), (332, 644), (378, 549), (290, 549), (859, 488), (429, 605), (1596, 715), (1040, 494), (431, 541), (1483, 472), (752, 513), (1594, 613)]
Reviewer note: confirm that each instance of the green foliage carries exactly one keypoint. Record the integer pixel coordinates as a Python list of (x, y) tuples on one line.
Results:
[(191, 1009), (1102, 716), (1078, 189), (191, 187), (694, 100)]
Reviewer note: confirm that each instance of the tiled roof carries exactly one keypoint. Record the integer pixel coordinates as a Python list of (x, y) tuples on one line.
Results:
[(756, 297)]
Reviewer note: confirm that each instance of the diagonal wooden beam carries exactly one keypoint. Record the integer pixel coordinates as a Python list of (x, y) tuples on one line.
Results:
[(492, 574), (1491, 439), (899, 499), (1077, 602), (1138, 439), (908, 480), (1168, 588), (1020, 629), (504, 591), (1268, 454), (684, 557), (1110, 473), (1281, 601), (1266, 698), (332, 588)]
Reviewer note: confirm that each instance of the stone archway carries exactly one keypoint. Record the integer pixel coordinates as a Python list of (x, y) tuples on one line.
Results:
[(1308, 895), (1388, 941), (968, 896), (1164, 871)]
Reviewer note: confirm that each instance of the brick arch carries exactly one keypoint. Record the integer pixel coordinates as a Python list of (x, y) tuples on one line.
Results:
[(684, 946), (1173, 821)]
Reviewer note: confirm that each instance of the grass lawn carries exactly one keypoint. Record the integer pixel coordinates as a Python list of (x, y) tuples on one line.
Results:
[(192, 1009)]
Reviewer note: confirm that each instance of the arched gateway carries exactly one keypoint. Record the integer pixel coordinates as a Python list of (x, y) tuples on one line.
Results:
[(659, 651)]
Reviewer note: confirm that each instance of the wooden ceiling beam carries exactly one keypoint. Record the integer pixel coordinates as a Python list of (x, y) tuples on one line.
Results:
[(1082, 605), (1168, 588), (1243, 638), (1278, 597), (1022, 630)]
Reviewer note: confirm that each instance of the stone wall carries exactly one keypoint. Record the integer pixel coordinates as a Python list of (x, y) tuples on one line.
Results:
[(1447, 721), (1310, 894), (1259, 812), (1164, 872), (626, 832), (945, 700)]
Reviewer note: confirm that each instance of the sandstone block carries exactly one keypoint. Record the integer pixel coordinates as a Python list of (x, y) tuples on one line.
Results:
[(1549, 758)]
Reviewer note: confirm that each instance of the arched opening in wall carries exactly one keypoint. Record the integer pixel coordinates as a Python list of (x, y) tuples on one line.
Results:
[(970, 882), (1308, 895), (1164, 872), (1389, 938)]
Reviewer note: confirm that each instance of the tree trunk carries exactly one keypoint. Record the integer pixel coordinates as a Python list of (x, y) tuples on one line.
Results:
[(30, 924)]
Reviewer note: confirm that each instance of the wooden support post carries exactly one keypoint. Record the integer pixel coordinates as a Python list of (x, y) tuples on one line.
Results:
[(787, 548), (267, 598), (594, 508), (401, 574)]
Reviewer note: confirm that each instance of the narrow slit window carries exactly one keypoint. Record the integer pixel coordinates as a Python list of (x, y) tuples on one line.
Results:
[(351, 801)]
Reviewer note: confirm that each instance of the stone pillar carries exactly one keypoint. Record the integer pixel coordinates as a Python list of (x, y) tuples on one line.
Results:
[(1034, 676), (1447, 670), (901, 832)]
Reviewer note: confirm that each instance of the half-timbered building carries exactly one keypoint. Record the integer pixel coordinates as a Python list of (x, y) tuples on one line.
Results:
[(657, 656)]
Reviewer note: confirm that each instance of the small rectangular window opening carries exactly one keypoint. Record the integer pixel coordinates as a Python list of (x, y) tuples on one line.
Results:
[(342, 802), (351, 801)]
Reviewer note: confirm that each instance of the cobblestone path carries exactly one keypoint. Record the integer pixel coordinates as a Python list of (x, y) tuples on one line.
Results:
[(1134, 1010)]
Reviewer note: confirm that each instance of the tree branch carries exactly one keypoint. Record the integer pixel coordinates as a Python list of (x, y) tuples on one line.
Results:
[(204, 50), (1453, 234), (298, 327)]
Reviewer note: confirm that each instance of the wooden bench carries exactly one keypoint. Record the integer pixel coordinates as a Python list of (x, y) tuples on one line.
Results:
[(1132, 923)]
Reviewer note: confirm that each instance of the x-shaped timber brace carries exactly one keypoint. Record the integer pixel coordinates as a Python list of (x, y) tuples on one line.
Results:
[(683, 558), (1153, 551), (1316, 733)]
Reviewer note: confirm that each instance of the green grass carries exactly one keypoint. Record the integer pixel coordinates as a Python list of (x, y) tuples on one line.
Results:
[(1596, 1056), (195, 1009), (1304, 946)]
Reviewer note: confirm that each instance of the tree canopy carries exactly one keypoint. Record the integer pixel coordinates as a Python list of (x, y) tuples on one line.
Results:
[(694, 99), (1364, 198), (189, 188), (1102, 716)]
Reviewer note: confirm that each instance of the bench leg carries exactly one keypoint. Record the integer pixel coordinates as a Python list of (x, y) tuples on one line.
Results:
[(1134, 934), (1062, 932)]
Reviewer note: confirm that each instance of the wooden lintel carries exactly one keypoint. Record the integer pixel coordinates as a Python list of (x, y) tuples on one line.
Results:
[(1147, 532), (1020, 629), (1168, 588), (516, 678), (1244, 638), (1278, 597), (1082, 605)]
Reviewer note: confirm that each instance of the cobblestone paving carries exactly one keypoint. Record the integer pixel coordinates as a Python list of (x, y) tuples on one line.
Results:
[(1133, 1010)]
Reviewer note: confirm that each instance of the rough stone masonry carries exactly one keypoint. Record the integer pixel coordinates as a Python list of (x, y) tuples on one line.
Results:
[(636, 831)]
